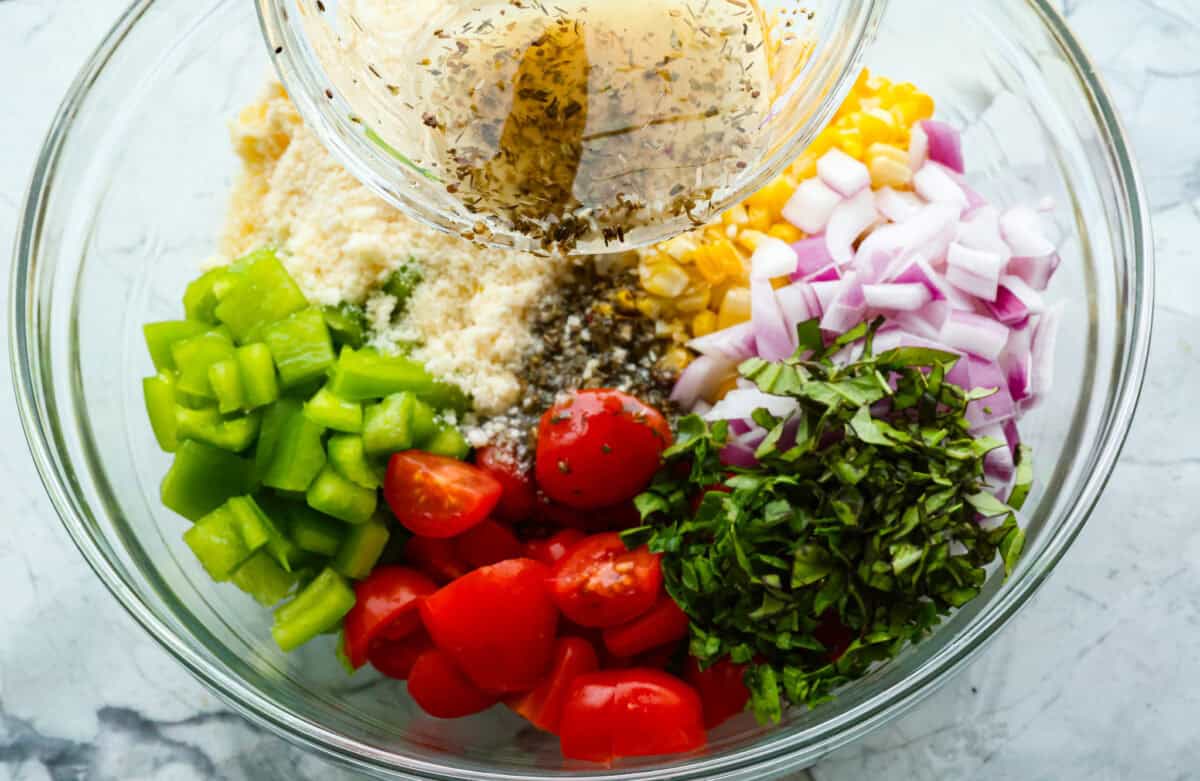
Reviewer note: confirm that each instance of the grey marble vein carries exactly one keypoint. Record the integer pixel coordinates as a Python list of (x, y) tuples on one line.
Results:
[(1097, 679)]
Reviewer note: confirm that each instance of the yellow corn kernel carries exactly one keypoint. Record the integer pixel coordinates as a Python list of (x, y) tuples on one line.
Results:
[(735, 308), (651, 307), (717, 260), (624, 300), (676, 359), (704, 323), (886, 172), (664, 278), (749, 239), (730, 383), (889, 151), (679, 248), (772, 197), (736, 215), (785, 231), (760, 219), (693, 299), (805, 166)]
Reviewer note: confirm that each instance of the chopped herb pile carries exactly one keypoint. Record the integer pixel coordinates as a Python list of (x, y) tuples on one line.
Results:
[(857, 531)]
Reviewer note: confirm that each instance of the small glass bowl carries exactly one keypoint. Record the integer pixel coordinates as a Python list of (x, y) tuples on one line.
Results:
[(126, 198), (338, 104)]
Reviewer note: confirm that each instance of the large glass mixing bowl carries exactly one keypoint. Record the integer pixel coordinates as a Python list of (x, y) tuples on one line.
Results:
[(127, 198)]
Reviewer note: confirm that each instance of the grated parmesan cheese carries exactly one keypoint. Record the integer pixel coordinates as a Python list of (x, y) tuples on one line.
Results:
[(469, 317)]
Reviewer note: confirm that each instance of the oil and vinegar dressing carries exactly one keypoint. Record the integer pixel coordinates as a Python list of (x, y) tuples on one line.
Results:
[(567, 120)]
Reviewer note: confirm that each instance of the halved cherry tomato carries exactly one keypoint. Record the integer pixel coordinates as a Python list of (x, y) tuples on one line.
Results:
[(442, 689), (385, 607), (573, 656), (551, 549), (435, 557), (629, 713), (599, 447), (519, 494), (722, 689), (834, 635), (615, 517), (601, 583), (664, 623), (435, 496), (487, 542), (497, 624), (395, 658)]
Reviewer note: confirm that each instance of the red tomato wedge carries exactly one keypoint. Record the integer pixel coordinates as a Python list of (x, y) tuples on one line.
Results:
[(385, 607), (722, 689), (435, 496), (573, 656), (600, 583), (442, 690), (599, 447), (664, 623), (497, 624), (629, 713), (487, 542), (518, 495), (395, 658), (551, 549), (614, 517), (435, 557)]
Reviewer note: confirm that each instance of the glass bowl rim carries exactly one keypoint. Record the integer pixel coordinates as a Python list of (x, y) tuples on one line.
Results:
[(775, 750)]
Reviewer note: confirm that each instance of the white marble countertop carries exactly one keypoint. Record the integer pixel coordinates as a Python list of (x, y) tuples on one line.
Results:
[(1096, 679)]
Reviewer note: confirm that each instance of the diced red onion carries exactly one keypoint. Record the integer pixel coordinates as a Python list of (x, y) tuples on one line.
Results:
[(847, 309), (700, 379), (740, 404), (996, 408), (771, 336), (981, 231), (902, 297), (772, 258), (897, 205), (812, 255), (811, 206), (975, 334), (974, 271), (701, 407), (945, 144), (925, 322), (826, 291), (998, 465), (1021, 227), (1015, 301), (798, 304), (830, 273), (1036, 272), (843, 173), (918, 148), (736, 454), (891, 338), (1045, 341), (848, 220), (735, 343), (1017, 362), (934, 183)]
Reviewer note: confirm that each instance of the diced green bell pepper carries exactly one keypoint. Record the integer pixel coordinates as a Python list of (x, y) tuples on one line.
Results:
[(199, 299), (274, 418), (270, 515), (327, 410), (348, 456), (361, 550), (347, 324), (202, 478), (387, 426), (448, 442), (207, 425), (314, 532), (194, 355), (262, 578), (161, 336), (319, 607), (401, 283), (226, 380), (261, 293), (223, 539), (159, 394), (259, 383), (363, 375), (301, 347), (297, 455), (424, 421), (334, 495)]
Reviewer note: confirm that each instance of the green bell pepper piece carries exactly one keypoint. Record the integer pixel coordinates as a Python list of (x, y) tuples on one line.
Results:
[(258, 374), (273, 420), (347, 324), (268, 513), (424, 421), (301, 347), (364, 375), (349, 458), (199, 299), (448, 442), (361, 550), (207, 425), (160, 397), (262, 578), (387, 426), (224, 539), (161, 336), (225, 378), (334, 495), (261, 292), (401, 283), (202, 478), (194, 355), (328, 410), (297, 455), (314, 532), (319, 607)]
